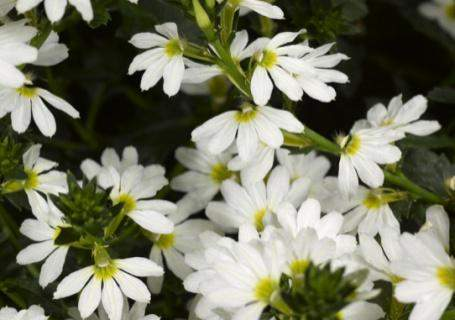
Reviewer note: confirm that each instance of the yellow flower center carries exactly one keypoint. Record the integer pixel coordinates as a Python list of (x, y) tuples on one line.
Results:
[(353, 145), (57, 232), (298, 267), (246, 115), (373, 201), (173, 48), (32, 180), (165, 241), (259, 219), (450, 11), (387, 122), (28, 92), (446, 277), (264, 289), (105, 272), (395, 279), (220, 173), (269, 59), (129, 204)]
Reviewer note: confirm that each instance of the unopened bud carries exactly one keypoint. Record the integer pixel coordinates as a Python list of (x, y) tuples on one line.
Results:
[(210, 3), (450, 184), (203, 20)]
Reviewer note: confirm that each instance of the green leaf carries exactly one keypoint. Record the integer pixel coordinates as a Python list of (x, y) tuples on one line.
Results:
[(442, 95)]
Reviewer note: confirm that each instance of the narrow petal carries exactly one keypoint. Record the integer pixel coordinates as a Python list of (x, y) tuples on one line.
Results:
[(132, 287), (53, 266), (261, 86), (73, 283), (112, 299), (90, 298)]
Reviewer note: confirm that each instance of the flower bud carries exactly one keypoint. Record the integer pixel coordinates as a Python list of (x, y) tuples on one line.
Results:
[(203, 20)]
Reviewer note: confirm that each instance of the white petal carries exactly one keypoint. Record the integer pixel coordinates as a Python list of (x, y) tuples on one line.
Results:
[(176, 263), (173, 75), (58, 103), (250, 312), (35, 252), (146, 40), (263, 8), (261, 86), (316, 89), (84, 7), (368, 171), (140, 267), (286, 83), (112, 299), (90, 297), (55, 9), (21, 115), (132, 287), (43, 118), (348, 181), (73, 283), (168, 29), (53, 266), (247, 140), (152, 221), (36, 230)]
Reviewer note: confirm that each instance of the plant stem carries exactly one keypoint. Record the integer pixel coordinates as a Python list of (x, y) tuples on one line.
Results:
[(227, 22)]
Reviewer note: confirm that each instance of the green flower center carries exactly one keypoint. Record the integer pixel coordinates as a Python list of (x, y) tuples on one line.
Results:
[(446, 277), (165, 241), (107, 271), (298, 267), (246, 115), (173, 48), (259, 219), (264, 289), (28, 92), (220, 173), (32, 180), (269, 59), (450, 11), (353, 145), (129, 204)]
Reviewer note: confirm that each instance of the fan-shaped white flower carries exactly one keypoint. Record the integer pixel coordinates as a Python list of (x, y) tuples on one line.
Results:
[(107, 282), (443, 11), (134, 188), (252, 204), (14, 51), (137, 312), (428, 271), (24, 102), (251, 125), (110, 158), (40, 178), (206, 173), (173, 246), (32, 313), (363, 151), (403, 118), (56, 9), (51, 51), (44, 231), (259, 6), (163, 58)]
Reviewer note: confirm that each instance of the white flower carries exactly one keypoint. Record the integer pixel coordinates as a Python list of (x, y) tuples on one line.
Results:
[(363, 151), (51, 51), (44, 231), (137, 312), (104, 280), (251, 125), (56, 9), (443, 11), (257, 168), (173, 246), (134, 188), (327, 227), (15, 51), (280, 62), (24, 102), (206, 173), (361, 310), (428, 271), (33, 313), (369, 211), (163, 59), (403, 118), (307, 172), (252, 204), (40, 178), (259, 6), (6, 6), (110, 158)]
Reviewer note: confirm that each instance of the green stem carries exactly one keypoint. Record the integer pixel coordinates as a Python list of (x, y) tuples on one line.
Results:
[(113, 226), (227, 22)]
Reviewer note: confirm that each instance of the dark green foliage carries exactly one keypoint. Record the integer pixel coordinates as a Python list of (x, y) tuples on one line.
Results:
[(10, 158)]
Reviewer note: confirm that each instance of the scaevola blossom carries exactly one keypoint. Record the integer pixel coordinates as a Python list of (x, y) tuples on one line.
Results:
[(163, 58), (6, 6), (361, 310), (51, 51), (56, 9), (110, 158), (279, 61), (14, 51), (249, 127), (205, 175), (325, 227), (261, 7), (403, 118), (107, 282), (442, 11), (427, 270), (44, 231), (362, 153), (307, 172), (26, 101), (173, 246), (40, 178), (32, 313), (137, 312), (369, 211), (252, 204), (134, 188)]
